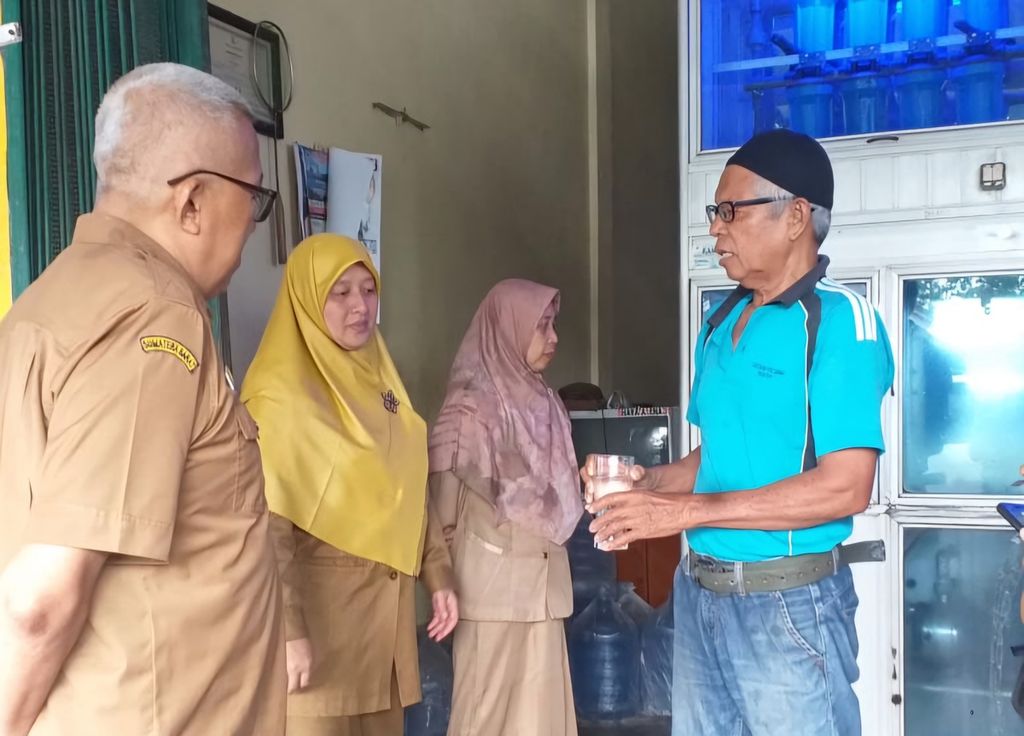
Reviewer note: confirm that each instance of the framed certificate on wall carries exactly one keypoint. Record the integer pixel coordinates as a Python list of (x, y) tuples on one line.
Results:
[(247, 56)]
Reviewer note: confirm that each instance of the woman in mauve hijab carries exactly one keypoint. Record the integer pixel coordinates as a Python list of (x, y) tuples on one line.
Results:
[(504, 481)]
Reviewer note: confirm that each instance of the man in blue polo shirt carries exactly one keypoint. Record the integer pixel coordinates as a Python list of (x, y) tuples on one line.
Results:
[(789, 376)]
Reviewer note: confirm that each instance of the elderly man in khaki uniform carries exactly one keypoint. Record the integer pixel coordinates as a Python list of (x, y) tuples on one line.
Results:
[(138, 592)]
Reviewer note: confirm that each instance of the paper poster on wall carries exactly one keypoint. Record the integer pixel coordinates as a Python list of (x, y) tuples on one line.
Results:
[(340, 192), (354, 204), (311, 171)]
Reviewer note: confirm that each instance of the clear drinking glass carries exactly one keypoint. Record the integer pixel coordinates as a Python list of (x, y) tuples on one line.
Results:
[(609, 474)]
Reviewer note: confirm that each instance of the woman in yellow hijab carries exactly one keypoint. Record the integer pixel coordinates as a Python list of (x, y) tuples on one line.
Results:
[(345, 459)]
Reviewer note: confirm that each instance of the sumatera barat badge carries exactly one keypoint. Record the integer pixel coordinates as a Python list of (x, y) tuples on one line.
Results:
[(161, 344)]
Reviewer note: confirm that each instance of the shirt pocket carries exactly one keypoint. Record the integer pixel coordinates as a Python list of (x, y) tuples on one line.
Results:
[(497, 583), (249, 495)]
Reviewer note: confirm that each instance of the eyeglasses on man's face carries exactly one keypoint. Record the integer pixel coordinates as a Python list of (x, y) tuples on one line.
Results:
[(726, 211), (262, 198)]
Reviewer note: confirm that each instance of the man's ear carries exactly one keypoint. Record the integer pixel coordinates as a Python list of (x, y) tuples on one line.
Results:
[(799, 218), (188, 197)]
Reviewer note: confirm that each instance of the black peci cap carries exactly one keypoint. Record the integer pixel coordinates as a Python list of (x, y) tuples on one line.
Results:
[(793, 161)]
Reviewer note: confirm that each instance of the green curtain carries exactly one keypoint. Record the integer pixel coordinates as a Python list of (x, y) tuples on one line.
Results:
[(72, 51)]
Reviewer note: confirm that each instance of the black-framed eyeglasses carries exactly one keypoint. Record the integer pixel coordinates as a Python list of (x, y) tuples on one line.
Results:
[(727, 210), (262, 198)]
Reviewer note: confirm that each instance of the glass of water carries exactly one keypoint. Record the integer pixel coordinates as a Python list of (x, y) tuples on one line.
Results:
[(609, 474)]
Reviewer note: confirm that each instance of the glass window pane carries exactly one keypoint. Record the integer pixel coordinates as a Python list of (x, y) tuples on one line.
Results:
[(861, 287), (820, 67), (961, 616), (963, 384), (710, 299)]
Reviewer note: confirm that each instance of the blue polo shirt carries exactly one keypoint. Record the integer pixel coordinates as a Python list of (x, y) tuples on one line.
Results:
[(806, 378)]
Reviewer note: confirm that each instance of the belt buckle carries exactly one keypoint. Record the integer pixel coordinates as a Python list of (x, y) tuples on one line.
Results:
[(714, 565), (711, 574)]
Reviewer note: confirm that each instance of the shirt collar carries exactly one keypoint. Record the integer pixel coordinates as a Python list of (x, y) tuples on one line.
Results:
[(105, 229), (803, 286)]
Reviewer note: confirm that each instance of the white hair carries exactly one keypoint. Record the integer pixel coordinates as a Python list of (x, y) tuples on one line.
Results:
[(150, 100), (821, 218)]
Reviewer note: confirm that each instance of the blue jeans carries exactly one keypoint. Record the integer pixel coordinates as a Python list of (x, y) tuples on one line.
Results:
[(765, 664)]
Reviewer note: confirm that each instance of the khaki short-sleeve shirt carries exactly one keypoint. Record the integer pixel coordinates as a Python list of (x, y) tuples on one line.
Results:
[(119, 433)]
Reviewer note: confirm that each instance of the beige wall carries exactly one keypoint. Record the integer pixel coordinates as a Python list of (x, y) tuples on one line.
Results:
[(496, 188), (638, 342)]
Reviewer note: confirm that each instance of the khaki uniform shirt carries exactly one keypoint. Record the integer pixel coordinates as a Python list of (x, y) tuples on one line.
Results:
[(503, 572), (118, 433), (360, 618)]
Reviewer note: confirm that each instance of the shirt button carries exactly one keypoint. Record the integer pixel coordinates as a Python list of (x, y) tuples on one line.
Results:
[(545, 555), (393, 575)]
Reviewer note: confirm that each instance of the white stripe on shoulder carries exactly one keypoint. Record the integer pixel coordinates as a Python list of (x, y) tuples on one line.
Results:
[(865, 326), (867, 311), (872, 318)]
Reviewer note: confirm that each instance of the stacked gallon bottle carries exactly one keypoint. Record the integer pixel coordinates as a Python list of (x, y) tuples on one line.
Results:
[(656, 649), (591, 568), (604, 658), (430, 716), (633, 605)]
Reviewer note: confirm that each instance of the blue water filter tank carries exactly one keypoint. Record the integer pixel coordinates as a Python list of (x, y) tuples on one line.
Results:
[(921, 97), (985, 15), (810, 108), (865, 98), (867, 22), (925, 18), (978, 89), (815, 25)]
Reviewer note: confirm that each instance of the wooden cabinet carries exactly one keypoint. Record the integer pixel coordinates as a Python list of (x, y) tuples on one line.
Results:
[(650, 565)]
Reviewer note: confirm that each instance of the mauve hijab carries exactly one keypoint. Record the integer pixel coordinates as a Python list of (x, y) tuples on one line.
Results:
[(502, 431)]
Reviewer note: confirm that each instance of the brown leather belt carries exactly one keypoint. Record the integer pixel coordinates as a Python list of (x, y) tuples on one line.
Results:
[(771, 576)]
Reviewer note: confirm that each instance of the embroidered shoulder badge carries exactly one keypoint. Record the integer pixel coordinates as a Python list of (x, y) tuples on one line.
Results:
[(391, 402), (160, 344)]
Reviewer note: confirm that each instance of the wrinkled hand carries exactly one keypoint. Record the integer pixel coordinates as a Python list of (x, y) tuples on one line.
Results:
[(639, 475), (298, 656), (446, 614), (639, 514)]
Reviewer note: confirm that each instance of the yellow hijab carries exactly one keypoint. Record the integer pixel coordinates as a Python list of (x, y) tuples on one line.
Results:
[(344, 453)]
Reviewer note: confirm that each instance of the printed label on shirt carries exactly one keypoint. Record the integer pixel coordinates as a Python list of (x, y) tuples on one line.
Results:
[(160, 344)]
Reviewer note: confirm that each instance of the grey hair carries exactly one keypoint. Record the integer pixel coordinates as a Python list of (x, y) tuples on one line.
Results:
[(145, 103), (821, 218)]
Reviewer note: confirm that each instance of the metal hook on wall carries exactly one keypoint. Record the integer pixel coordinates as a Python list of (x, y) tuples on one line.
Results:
[(400, 116)]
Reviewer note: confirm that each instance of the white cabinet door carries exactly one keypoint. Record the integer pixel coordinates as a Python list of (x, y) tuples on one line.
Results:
[(874, 627), (959, 615)]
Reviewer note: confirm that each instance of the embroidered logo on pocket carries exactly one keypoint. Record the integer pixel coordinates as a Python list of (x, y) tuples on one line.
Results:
[(391, 402)]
